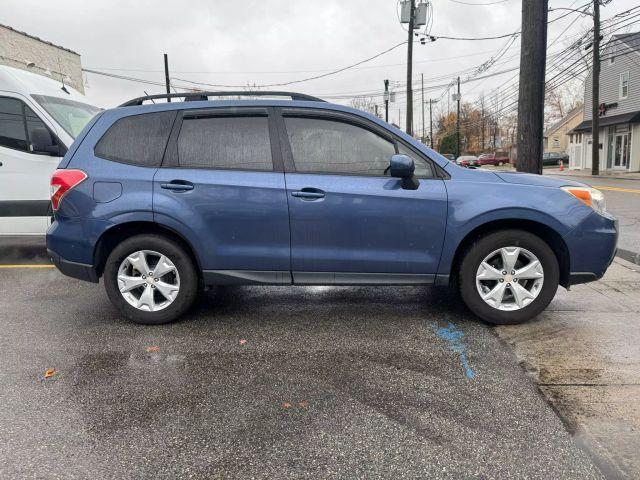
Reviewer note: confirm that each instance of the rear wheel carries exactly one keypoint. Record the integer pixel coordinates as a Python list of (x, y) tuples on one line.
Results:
[(508, 277), (150, 279)]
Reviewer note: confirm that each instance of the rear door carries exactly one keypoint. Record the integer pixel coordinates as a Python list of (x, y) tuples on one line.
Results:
[(350, 221), (24, 174), (222, 186)]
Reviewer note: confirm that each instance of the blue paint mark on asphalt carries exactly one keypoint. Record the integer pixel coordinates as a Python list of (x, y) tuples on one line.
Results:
[(454, 336)]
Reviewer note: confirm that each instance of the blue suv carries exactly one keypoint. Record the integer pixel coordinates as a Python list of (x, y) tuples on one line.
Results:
[(163, 200)]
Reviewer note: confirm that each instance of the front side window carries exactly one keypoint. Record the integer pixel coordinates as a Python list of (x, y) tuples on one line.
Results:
[(21, 129), (329, 146), (71, 115), (624, 85), (423, 168), (138, 139), (13, 132), (225, 142)]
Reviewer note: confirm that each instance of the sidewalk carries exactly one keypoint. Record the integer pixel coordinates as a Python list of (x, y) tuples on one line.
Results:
[(584, 354), (587, 174)]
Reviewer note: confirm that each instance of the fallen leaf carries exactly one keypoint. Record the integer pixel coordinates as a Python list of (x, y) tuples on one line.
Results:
[(242, 341), (303, 404), (286, 405), (50, 372), (153, 349)]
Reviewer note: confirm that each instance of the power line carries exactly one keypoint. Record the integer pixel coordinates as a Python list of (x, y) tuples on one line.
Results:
[(291, 82)]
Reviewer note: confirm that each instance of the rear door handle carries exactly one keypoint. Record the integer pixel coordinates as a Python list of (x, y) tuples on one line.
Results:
[(308, 194), (177, 186)]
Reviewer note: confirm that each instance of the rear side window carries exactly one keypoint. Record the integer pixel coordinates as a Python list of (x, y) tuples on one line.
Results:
[(137, 140), (328, 146), (225, 142)]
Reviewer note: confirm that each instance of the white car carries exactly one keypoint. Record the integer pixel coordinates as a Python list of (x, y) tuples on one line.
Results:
[(39, 120)]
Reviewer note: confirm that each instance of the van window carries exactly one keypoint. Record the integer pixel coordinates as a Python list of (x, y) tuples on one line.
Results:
[(328, 146), (13, 132), (71, 115), (225, 142), (137, 140), (21, 128)]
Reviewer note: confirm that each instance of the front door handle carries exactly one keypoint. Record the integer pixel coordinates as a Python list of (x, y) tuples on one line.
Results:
[(308, 194), (177, 186)]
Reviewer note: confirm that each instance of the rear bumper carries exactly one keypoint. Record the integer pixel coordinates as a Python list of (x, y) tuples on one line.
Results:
[(592, 247), (77, 270)]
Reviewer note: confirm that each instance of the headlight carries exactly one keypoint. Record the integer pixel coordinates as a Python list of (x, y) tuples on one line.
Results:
[(591, 197)]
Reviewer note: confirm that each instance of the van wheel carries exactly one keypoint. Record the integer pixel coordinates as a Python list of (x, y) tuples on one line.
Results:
[(150, 279), (508, 277)]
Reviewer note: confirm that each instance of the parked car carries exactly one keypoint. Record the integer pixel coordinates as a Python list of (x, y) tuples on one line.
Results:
[(554, 158), (492, 159), (38, 122), (467, 161), (449, 156), (159, 200)]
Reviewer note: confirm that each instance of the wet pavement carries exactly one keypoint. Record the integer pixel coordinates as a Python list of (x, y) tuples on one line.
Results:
[(271, 382), (584, 353)]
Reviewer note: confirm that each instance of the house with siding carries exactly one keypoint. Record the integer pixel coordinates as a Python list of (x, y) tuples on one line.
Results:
[(556, 138), (619, 110)]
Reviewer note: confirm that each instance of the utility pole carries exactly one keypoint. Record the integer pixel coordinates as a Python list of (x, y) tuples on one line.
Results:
[(423, 124), (386, 101), (533, 55), (595, 83), (458, 122), (166, 76), (410, 69), (431, 102)]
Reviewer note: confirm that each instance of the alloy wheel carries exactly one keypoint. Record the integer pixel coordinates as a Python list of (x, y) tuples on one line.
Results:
[(148, 280), (509, 278)]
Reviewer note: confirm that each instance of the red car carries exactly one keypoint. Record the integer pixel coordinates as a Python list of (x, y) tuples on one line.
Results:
[(492, 159)]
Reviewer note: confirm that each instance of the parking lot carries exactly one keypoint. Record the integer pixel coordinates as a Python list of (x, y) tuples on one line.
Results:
[(330, 382), (267, 382)]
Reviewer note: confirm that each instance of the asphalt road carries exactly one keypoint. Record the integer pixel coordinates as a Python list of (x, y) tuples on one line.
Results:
[(267, 382)]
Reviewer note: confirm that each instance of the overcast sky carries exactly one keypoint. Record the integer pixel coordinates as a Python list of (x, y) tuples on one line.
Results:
[(226, 42)]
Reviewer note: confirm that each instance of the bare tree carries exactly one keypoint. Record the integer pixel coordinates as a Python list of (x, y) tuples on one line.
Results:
[(366, 104)]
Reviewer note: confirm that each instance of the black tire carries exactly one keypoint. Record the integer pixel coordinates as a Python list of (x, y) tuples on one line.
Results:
[(177, 255), (482, 247)]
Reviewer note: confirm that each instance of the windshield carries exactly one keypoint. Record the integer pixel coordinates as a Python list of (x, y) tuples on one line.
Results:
[(71, 115)]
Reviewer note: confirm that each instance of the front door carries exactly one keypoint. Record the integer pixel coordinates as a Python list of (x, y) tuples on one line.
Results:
[(222, 186), (24, 175), (350, 221), (621, 149)]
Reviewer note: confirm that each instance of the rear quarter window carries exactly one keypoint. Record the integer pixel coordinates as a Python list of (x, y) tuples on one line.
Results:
[(137, 140)]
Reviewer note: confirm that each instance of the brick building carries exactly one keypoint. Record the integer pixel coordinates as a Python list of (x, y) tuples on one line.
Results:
[(21, 50)]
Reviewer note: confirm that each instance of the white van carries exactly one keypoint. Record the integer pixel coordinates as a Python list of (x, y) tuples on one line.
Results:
[(39, 118)]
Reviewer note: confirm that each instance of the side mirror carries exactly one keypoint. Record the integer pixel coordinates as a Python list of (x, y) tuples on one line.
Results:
[(43, 143), (402, 166)]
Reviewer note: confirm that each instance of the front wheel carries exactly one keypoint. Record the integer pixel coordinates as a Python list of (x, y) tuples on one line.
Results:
[(508, 277), (150, 279)]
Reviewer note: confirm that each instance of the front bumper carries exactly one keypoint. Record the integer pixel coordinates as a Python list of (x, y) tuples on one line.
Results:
[(592, 247)]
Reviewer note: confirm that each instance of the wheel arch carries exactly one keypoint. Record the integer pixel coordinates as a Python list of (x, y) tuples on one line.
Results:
[(120, 232), (550, 236)]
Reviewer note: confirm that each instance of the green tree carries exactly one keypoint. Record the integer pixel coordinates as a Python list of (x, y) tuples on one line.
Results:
[(448, 144)]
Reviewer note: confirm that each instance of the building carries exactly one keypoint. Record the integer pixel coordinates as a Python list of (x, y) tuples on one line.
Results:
[(21, 50), (619, 110), (556, 138)]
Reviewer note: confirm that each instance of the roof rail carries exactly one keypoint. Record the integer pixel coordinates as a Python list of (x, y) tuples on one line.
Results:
[(196, 96)]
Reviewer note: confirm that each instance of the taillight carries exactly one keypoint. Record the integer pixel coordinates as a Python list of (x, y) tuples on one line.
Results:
[(61, 182)]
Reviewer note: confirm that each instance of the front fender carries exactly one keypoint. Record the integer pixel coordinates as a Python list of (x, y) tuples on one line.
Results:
[(474, 205)]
